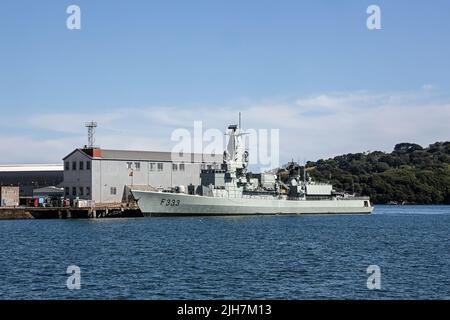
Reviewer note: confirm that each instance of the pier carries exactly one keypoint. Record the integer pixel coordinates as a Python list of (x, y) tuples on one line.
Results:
[(97, 212)]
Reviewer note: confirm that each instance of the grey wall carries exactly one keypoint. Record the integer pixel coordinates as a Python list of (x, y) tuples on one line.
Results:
[(78, 178), (109, 174), (106, 174), (115, 173)]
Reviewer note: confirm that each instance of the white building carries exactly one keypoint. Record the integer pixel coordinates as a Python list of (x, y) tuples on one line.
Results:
[(101, 175)]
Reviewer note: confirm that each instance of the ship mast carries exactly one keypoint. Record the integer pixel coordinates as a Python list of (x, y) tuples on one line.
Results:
[(235, 155), (304, 174)]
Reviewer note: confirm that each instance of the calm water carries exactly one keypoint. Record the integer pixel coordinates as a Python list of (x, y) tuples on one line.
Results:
[(307, 257)]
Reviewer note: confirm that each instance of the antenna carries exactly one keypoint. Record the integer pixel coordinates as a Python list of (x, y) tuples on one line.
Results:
[(240, 120), (304, 172), (91, 133)]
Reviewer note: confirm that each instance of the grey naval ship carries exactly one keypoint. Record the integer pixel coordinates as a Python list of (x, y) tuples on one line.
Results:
[(232, 190)]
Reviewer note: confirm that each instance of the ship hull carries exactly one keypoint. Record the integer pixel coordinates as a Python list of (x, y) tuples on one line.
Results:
[(176, 204)]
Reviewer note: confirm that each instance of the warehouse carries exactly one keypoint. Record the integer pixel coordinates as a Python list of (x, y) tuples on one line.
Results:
[(101, 175), (30, 176)]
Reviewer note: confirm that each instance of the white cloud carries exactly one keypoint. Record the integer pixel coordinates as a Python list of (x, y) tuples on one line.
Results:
[(72, 123), (311, 127), (428, 86), (28, 149)]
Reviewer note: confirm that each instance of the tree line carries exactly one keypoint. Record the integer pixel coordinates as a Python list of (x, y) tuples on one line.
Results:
[(409, 174)]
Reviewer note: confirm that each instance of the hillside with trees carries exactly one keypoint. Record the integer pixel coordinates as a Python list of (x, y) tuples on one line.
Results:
[(410, 174)]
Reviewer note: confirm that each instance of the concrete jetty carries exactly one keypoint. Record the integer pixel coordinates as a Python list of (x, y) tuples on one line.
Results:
[(106, 211)]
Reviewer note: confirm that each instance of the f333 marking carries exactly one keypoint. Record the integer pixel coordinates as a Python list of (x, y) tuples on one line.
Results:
[(170, 202)]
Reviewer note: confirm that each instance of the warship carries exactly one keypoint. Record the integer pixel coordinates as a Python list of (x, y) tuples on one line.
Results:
[(232, 190)]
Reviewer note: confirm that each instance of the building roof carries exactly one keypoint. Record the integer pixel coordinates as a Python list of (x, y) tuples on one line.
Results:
[(163, 156), (30, 167)]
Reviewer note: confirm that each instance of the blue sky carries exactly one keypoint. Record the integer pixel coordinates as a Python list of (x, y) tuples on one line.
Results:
[(144, 68)]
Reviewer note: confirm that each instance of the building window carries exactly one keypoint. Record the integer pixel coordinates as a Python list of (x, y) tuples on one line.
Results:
[(174, 167), (160, 166), (181, 166), (88, 165), (74, 165), (152, 166), (130, 165), (113, 191), (67, 191), (67, 165), (74, 191), (137, 166), (81, 165), (81, 191), (88, 190)]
